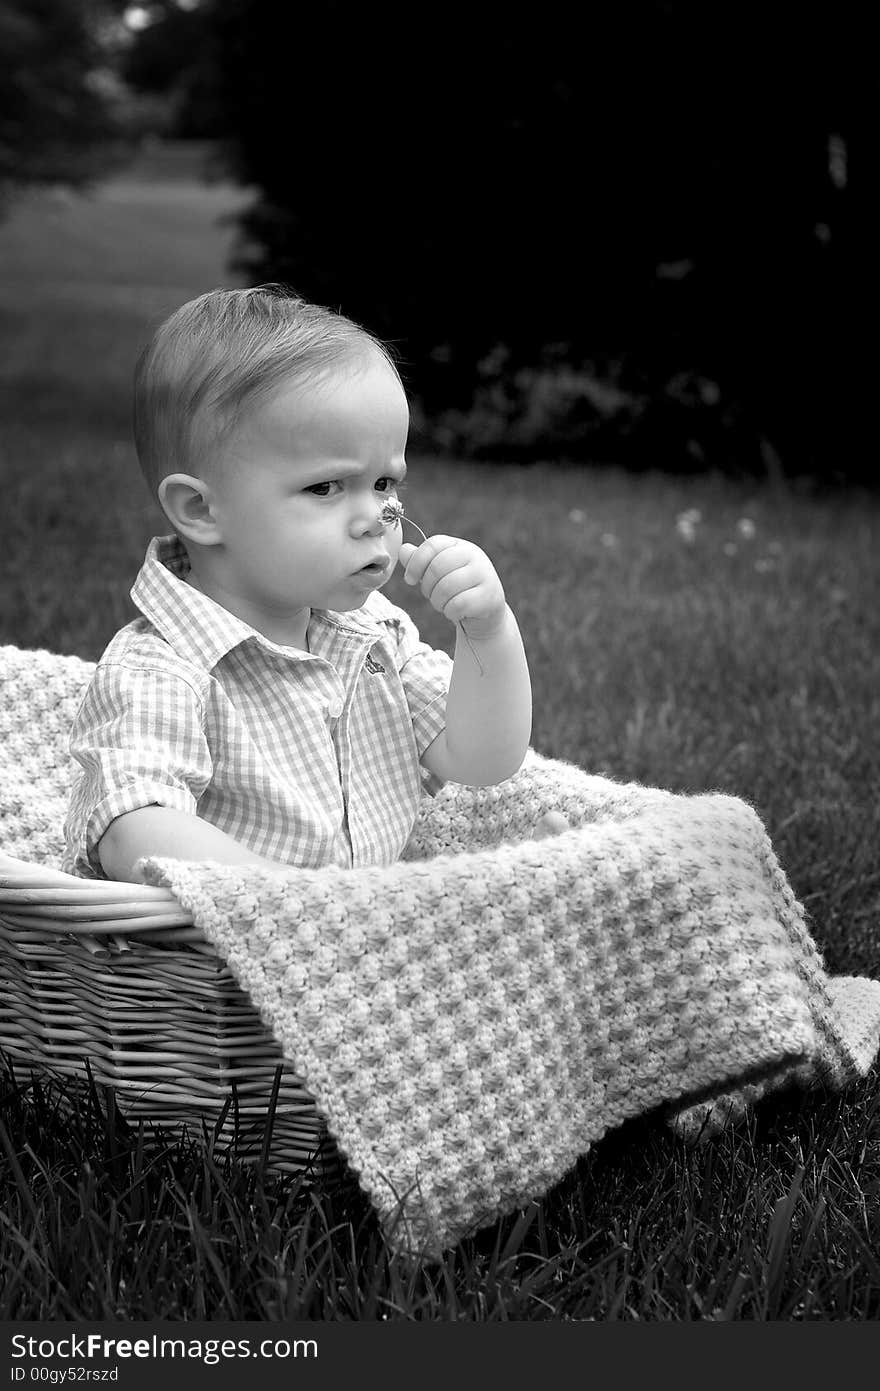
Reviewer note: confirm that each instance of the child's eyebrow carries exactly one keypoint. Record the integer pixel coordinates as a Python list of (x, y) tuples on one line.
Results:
[(340, 470)]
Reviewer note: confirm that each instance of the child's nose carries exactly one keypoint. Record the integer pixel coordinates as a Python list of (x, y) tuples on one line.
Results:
[(369, 520)]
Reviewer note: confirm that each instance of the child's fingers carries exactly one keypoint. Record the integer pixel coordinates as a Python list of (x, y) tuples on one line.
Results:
[(465, 580), (456, 578), (405, 554), (448, 573), (466, 603), (424, 555)]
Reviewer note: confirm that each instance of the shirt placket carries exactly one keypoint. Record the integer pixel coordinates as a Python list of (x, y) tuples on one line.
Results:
[(315, 679), (350, 664)]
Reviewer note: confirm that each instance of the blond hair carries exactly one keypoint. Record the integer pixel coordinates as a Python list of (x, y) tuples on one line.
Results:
[(220, 353)]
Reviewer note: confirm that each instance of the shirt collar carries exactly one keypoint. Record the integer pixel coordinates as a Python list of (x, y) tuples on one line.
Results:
[(199, 628)]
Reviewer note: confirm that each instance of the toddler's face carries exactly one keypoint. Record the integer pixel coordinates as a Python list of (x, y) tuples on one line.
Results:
[(299, 491)]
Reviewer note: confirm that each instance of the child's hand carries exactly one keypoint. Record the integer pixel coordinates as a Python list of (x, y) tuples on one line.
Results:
[(459, 580), (552, 823)]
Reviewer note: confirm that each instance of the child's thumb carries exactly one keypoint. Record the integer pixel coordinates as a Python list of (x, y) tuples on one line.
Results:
[(406, 553)]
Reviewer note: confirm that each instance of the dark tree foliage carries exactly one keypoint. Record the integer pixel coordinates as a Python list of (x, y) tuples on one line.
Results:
[(172, 57), (54, 117), (652, 199)]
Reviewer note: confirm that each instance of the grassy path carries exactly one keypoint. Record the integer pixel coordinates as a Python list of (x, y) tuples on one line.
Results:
[(84, 277)]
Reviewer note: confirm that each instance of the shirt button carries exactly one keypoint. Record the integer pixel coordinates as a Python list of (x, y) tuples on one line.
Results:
[(334, 707)]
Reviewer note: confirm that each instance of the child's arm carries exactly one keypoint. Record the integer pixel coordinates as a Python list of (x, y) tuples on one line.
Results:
[(489, 705), (179, 835)]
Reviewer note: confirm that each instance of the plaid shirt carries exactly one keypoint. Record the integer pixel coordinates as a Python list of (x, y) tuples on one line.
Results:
[(309, 758)]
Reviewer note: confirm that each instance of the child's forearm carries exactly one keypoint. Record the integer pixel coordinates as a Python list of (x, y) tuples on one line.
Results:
[(488, 709), (160, 831)]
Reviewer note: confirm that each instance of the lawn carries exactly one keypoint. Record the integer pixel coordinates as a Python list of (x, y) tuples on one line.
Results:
[(691, 633)]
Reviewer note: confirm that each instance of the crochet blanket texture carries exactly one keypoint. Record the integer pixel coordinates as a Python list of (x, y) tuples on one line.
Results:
[(471, 1019)]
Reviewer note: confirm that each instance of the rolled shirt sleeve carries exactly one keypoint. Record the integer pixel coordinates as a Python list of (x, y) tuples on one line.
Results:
[(138, 740)]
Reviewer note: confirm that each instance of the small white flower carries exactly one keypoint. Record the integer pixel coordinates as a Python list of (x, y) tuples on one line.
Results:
[(608, 539), (730, 548), (576, 515), (746, 528), (392, 511)]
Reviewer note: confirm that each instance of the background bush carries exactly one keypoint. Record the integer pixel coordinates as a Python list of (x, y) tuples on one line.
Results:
[(622, 230), (57, 93)]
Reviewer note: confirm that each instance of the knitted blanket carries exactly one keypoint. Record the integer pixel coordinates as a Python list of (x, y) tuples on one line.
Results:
[(471, 1019)]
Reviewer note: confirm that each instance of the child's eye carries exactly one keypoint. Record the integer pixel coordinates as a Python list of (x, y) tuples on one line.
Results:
[(385, 484)]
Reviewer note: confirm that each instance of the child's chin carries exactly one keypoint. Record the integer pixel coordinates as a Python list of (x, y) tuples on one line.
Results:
[(348, 603), (367, 581), (354, 591)]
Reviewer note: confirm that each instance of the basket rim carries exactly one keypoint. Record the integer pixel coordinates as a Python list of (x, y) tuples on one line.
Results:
[(50, 899)]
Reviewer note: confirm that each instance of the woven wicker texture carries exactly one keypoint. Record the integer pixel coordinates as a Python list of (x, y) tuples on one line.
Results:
[(115, 974)]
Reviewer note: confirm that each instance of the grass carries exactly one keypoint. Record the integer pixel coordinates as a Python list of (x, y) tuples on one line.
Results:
[(689, 654)]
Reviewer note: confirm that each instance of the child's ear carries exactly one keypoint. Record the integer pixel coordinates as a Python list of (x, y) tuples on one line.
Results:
[(188, 505)]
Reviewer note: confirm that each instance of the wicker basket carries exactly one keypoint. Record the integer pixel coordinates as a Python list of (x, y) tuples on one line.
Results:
[(117, 975), (114, 978)]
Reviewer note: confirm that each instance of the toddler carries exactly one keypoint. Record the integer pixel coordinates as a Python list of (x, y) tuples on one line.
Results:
[(271, 705)]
